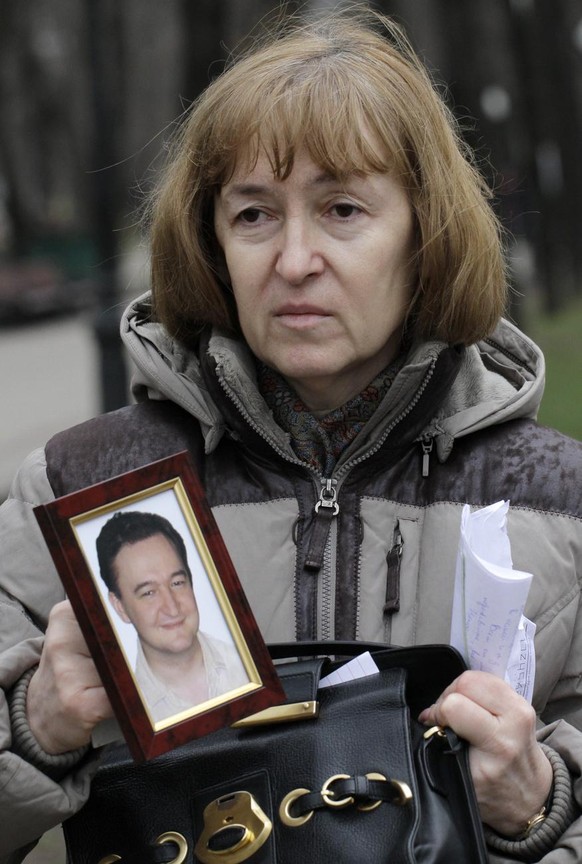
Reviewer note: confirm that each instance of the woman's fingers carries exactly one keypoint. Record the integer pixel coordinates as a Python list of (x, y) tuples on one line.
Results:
[(511, 774), (66, 698)]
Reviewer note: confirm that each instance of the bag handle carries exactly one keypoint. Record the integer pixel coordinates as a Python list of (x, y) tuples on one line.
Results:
[(429, 668), (332, 647)]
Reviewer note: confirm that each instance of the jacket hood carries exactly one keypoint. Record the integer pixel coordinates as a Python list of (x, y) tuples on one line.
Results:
[(164, 369), (500, 379)]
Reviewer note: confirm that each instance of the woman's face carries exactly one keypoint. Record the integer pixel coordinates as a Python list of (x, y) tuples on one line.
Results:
[(321, 273)]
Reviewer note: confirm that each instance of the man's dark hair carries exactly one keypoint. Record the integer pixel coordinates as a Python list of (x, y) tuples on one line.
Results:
[(124, 529)]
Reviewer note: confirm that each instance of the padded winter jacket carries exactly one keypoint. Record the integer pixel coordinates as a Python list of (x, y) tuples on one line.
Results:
[(367, 553)]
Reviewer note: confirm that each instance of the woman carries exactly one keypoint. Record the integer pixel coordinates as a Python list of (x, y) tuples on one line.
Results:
[(328, 283)]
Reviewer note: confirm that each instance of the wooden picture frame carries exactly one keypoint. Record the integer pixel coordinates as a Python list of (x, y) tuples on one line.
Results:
[(227, 638)]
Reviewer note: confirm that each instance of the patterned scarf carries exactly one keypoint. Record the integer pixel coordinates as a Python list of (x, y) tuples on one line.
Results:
[(319, 441)]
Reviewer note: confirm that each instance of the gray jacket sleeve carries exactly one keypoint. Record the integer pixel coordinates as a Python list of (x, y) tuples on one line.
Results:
[(30, 801)]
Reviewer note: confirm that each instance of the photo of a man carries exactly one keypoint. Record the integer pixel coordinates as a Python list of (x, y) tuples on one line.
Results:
[(143, 562)]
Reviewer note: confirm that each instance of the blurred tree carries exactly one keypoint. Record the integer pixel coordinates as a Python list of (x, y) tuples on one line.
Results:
[(44, 117), (550, 75), (514, 72), (483, 79), (106, 55)]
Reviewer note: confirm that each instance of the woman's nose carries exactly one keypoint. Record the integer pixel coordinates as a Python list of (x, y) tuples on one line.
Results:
[(298, 257)]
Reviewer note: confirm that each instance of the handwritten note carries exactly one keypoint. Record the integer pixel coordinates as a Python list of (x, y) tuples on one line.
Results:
[(488, 626)]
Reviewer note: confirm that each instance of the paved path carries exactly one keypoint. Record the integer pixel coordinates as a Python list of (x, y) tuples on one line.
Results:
[(48, 381)]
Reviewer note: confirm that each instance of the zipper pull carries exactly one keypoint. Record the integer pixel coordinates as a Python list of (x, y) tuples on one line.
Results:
[(328, 496), (326, 509), (392, 601), (427, 443)]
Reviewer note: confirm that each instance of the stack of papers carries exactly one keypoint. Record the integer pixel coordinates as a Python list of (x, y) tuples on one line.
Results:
[(488, 625)]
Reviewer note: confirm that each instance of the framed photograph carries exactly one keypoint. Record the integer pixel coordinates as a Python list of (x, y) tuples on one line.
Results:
[(161, 607)]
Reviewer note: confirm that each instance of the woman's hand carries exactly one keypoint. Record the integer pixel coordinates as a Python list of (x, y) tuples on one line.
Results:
[(511, 774), (66, 698)]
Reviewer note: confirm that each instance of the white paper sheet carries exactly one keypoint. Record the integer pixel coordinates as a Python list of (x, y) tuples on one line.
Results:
[(359, 667), (488, 626)]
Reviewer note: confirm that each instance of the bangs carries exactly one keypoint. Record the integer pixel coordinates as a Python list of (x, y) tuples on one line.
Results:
[(319, 108)]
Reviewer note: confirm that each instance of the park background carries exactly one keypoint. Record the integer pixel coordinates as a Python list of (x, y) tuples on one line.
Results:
[(91, 90)]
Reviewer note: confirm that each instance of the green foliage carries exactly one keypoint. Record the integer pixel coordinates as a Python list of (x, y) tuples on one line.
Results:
[(560, 338)]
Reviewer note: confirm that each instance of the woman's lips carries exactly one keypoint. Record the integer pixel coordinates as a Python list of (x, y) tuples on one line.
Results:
[(301, 316)]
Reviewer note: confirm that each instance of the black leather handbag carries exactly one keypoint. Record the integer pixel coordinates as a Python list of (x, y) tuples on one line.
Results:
[(344, 774)]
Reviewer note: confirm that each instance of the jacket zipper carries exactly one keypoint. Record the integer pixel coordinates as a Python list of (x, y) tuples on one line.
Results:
[(255, 426), (393, 559), (326, 509), (427, 443), (397, 420), (353, 462), (326, 594), (510, 355)]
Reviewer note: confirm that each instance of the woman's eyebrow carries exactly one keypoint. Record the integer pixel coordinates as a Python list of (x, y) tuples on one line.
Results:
[(244, 190), (247, 190)]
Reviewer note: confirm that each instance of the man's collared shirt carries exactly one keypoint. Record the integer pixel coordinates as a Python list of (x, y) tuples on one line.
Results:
[(224, 672)]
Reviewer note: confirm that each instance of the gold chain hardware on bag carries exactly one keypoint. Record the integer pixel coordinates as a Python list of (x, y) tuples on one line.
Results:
[(167, 837), (328, 794), (434, 730), (367, 808), (328, 798), (285, 809)]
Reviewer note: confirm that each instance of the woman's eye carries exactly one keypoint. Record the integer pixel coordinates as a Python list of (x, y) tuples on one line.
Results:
[(250, 216), (345, 210)]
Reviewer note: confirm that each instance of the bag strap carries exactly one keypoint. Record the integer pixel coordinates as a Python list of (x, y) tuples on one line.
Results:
[(365, 792)]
